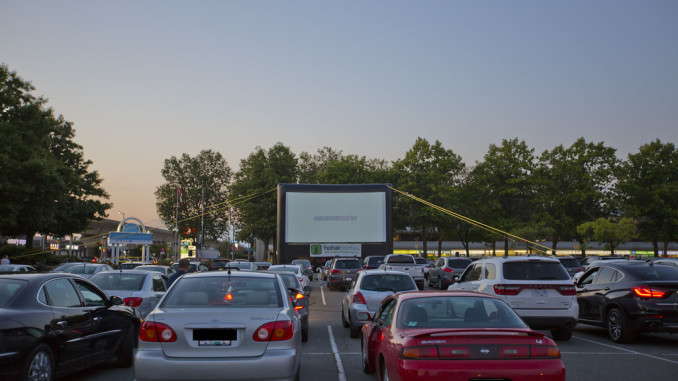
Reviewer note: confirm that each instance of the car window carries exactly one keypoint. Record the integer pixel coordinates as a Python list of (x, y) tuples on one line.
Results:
[(159, 283), (474, 273), (387, 282), (383, 309), (9, 289), (569, 262), (118, 281), (534, 270), (589, 276), (458, 263), (386, 315), (62, 294), (222, 291), (290, 280), (490, 271), (347, 265), (606, 275), (91, 296)]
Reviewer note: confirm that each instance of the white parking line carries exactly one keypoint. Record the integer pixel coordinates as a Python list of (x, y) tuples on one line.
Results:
[(337, 358), (323, 295), (627, 350)]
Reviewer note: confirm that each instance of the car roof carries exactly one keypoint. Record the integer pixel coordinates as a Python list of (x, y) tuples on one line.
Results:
[(207, 274), (135, 271), (377, 271), (520, 258), (435, 293)]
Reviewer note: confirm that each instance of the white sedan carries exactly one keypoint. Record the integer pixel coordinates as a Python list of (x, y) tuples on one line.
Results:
[(296, 269)]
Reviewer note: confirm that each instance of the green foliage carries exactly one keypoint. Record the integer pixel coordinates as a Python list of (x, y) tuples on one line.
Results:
[(206, 174), (45, 181), (608, 231)]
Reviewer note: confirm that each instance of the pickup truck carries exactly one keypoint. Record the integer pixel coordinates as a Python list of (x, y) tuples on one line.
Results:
[(405, 263)]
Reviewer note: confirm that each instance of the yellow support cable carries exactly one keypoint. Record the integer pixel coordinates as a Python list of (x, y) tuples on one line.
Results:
[(471, 221)]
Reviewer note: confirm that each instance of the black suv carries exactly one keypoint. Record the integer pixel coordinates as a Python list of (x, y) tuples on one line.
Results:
[(342, 271), (446, 270), (373, 262)]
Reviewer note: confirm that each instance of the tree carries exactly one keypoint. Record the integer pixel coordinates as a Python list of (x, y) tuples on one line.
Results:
[(504, 185), (648, 189), (204, 181), (45, 181), (259, 174), (574, 186), (608, 231), (310, 166), (432, 173)]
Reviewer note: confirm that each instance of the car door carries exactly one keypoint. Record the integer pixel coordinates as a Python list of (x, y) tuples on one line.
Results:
[(594, 294), (434, 271), (470, 279), (586, 290), (376, 328), (72, 324)]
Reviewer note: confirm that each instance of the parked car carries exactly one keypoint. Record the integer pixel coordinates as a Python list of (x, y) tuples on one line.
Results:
[(294, 269), (366, 292), (539, 289), (297, 292), (219, 264), (454, 336), (12, 267), (238, 324), (587, 260), (424, 262), (372, 262), (667, 261), (53, 324), (263, 265), (406, 263), (446, 270), (129, 265), (306, 265), (342, 271), (243, 265), (193, 267), (325, 270), (86, 269), (164, 270), (628, 298), (137, 288), (571, 264)]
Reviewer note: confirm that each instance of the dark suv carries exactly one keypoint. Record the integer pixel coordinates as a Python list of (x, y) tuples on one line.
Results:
[(342, 271), (372, 262), (446, 270)]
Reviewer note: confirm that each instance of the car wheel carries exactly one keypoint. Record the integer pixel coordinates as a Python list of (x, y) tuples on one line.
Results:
[(125, 352), (344, 323), (440, 283), (39, 364), (562, 334), (383, 372), (355, 332), (366, 365), (304, 334), (618, 327)]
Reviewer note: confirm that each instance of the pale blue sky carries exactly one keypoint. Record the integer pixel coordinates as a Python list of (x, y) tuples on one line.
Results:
[(145, 80)]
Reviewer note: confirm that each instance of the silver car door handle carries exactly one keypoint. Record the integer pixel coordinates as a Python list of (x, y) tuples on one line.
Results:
[(98, 318), (61, 323)]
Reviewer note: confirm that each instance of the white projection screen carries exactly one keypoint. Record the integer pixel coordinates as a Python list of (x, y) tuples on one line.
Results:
[(339, 217)]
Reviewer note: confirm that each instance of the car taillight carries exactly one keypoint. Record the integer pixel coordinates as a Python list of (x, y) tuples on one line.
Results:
[(335, 271), (507, 289), (567, 290), (156, 332), (133, 302), (649, 292), (297, 297), (358, 298), (275, 331), (460, 352), (448, 270)]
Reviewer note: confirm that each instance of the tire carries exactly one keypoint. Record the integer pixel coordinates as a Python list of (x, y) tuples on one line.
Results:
[(344, 323), (355, 332), (562, 334), (125, 353), (304, 334), (365, 364), (39, 364), (618, 327), (440, 283)]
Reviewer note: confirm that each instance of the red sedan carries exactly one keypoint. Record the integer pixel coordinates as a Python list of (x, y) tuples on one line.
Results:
[(454, 335)]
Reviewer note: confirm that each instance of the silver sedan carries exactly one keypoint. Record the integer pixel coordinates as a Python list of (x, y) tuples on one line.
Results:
[(138, 288), (238, 325), (366, 292)]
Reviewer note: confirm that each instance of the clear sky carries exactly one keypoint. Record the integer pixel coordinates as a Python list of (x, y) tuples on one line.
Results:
[(146, 80)]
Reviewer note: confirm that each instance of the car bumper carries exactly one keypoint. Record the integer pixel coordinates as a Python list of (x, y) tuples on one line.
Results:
[(273, 365), (550, 318), (524, 370)]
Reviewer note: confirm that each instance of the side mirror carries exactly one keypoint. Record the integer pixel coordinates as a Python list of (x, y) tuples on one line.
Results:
[(363, 316), (116, 300)]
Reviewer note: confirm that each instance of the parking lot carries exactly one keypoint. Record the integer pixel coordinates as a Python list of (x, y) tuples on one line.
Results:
[(331, 354)]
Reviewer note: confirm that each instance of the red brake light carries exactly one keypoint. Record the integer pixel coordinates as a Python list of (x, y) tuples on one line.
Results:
[(648, 292), (335, 271), (358, 298), (156, 332), (544, 351), (133, 302), (567, 290), (275, 331), (422, 352), (448, 270), (506, 289)]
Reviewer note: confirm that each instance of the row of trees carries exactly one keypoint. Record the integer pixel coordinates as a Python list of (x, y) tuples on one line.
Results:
[(581, 192)]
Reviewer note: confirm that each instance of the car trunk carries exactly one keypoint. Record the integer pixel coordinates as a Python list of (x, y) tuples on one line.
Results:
[(373, 298), (216, 332)]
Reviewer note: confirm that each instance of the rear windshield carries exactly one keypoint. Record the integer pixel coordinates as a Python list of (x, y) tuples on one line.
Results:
[(9, 289), (458, 263), (348, 265), (119, 281), (388, 282), (375, 261), (400, 259), (535, 270), (128, 266), (456, 312), (224, 291), (290, 280), (80, 269), (422, 261), (654, 272), (570, 262)]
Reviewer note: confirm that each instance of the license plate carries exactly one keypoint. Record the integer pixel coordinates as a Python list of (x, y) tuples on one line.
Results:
[(540, 292), (348, 279), (214, 343)]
